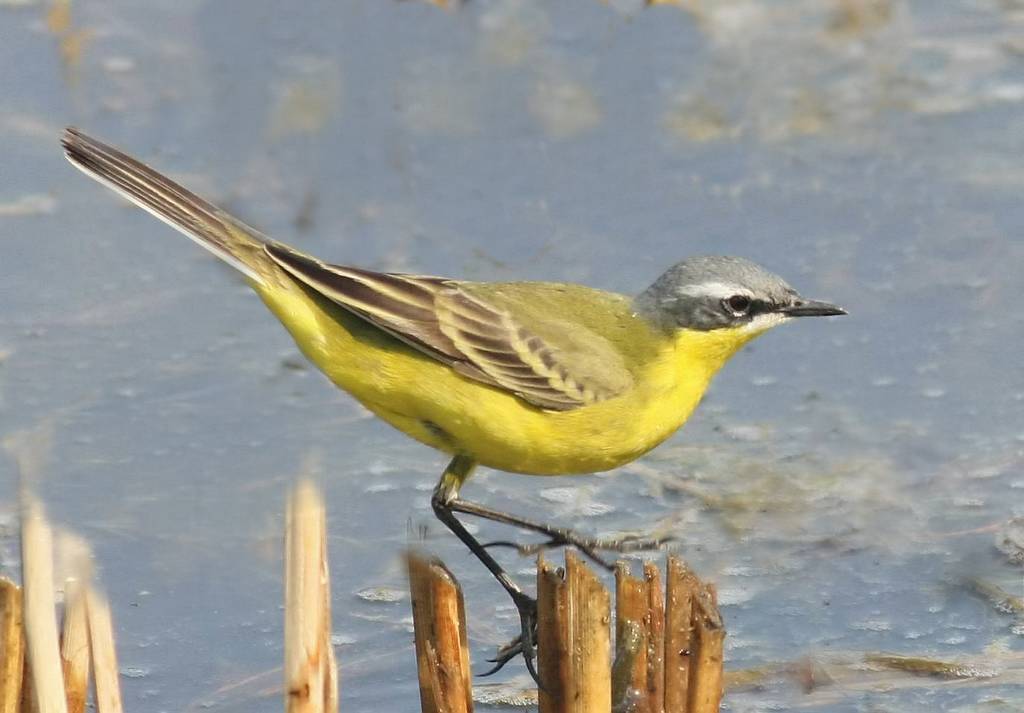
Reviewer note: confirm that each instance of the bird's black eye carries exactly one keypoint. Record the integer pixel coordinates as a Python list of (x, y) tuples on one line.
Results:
[(739, 305)]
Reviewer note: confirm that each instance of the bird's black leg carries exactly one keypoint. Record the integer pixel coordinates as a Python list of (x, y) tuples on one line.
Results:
[(445, 494), (557, 536)]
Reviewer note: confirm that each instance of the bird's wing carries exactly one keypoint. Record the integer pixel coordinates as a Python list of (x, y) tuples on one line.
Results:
[(551, 364)]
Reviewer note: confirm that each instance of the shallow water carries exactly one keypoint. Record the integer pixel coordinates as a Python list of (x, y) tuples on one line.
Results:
[(840, 482)]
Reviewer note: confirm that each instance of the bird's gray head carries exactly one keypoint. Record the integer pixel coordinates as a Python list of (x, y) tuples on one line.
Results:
[(717, 292)]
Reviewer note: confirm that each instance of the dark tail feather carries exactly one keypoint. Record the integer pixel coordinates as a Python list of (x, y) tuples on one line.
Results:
[(226, 237)]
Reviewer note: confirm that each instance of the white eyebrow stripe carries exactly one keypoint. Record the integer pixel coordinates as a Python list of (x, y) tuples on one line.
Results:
[(720, 290)]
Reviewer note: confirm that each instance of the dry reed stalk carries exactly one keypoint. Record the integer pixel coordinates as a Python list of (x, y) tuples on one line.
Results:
[(41, 647), (12, 647), (425, 656), (655, 639), (631, 641), (680, 586), (74, 646), (330, 673), (309, 674), (590, 620), (573, 625), (442, 645), (552, 636), (28, 696), (104, 654), (331, 661), (706, 678), (74, 641)]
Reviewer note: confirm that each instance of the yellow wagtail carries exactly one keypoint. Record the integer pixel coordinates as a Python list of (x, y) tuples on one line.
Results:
[(528, 377)]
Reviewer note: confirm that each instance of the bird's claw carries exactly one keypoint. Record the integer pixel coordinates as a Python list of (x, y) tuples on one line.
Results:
[(589, 546), (505, 654), (632, 543), (524, 645)]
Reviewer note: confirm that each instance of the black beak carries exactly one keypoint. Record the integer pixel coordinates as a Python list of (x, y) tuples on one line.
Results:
[(811, 308)]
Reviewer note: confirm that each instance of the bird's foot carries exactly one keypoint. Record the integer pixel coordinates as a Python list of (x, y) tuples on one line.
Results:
[(589, 546), (525, 644)]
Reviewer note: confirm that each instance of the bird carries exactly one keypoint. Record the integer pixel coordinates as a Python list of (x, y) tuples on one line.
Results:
[(538, 378)]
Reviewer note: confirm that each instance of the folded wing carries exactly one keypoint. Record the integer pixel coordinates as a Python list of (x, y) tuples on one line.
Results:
[(478, 337)]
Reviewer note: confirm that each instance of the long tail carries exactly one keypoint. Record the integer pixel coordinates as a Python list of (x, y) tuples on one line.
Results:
[(225, 236)]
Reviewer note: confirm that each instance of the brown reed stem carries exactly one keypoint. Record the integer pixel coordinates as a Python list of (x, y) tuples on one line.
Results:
[(12, 647), (655, 639), (680, 585), (442, 644), (552, 636), (41, 646), (330, 671), (629, 690), (74, 645), (104, 653), (706, 679), (309, 673), (574, 619)]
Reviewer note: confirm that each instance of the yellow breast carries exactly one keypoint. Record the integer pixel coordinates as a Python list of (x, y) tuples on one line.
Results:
[(427, 400)]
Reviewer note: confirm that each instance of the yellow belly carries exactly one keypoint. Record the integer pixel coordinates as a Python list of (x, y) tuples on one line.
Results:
[(428, 401)]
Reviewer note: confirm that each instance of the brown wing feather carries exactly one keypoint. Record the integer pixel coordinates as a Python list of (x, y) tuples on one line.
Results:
[(402, 305), (508, 353), (444, 321)]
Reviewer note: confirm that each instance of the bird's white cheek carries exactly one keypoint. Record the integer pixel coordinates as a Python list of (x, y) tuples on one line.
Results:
[(764, 322)]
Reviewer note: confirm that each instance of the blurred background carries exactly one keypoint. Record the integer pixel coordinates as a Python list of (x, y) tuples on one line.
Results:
[(849, 484)]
